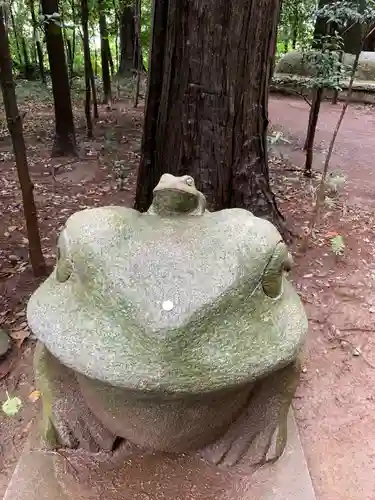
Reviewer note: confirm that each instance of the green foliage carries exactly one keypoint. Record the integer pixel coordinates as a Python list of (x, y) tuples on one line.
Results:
[(296, 23), (68, 18), (345, 13), (329, 69)]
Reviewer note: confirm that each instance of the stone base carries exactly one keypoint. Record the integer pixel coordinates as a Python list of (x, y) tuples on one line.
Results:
[(294, 85), (44, 475)]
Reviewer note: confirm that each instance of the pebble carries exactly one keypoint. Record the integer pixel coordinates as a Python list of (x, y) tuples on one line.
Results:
[(13, 258)]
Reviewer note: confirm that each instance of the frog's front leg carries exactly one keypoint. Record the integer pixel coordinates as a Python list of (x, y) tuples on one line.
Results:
[(259, 435), (67, 420)]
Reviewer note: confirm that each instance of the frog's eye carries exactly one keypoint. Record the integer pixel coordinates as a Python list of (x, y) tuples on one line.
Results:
[(63, 265), (189, 181), (280, 262)]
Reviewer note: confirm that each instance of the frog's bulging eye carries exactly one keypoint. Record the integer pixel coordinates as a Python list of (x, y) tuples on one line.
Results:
[(63, 265), (279, 263), (189, 181)]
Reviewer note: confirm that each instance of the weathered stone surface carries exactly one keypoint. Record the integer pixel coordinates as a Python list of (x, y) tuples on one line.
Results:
[(223, 426), (107, 321), (4, 342), (173, 331), (47, 476), (295, 63)]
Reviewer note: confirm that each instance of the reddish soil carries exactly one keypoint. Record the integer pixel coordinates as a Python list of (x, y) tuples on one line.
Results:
[(335, 404)]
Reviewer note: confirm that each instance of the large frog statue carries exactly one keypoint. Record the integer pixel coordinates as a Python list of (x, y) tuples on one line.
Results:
[(174, 331)]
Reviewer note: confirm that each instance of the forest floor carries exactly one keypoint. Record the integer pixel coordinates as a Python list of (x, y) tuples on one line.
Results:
[(335, 404)]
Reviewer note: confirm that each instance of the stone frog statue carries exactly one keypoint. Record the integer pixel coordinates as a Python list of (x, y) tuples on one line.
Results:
[(172, 331)]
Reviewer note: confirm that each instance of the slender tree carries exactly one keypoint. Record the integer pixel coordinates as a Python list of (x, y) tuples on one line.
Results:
[(105, 54), (28, 67), (15, 129), (93, 88), (65, 141), (87, 57), (15, 34), (208, 97), (137, 48)]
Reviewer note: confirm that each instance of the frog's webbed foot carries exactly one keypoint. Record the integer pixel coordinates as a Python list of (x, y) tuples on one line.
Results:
[(258, 436), (75, 426), (67, 420), (80, 459)]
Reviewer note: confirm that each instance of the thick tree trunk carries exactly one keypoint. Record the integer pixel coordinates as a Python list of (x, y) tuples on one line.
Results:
[(127, 62), (65, 142), (15, 130), (128, 51), (105, 53), (87, 58), (207, 102)]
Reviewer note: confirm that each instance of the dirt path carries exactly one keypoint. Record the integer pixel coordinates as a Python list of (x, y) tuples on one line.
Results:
[(335, 404), (354, 153)]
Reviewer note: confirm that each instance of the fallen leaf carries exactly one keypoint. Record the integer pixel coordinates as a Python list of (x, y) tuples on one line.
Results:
[(11, 406), (34, 396)]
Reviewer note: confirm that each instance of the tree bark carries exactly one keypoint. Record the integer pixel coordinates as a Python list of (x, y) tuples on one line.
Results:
[(207, 103), (15, 129), (104, 52), (28, 67), (137, 48), (128, 54), (311, 129), (94, 95), (65, 141), (87, 58), (14, 28)]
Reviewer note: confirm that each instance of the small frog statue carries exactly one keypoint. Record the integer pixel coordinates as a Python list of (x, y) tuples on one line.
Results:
[(170, 331)]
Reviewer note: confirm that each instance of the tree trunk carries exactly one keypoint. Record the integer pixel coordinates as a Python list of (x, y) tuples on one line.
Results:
[(104, 52), (207, 103), (94, 95), (294, 36), (320, 28), (110, 60), (137, 48), (87, 58), (14, 28), (28, 67), (128, 54), (39, 49), (65, 142), (311, 130), (69, 53), (369, 43), (19, 149)]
